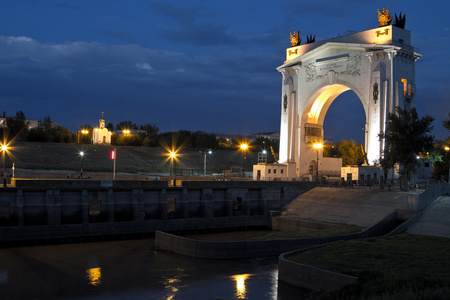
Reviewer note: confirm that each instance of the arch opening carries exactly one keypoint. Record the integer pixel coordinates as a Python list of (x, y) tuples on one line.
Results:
[(345, 119)]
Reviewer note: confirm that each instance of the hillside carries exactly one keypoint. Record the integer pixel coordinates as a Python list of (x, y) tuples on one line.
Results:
[(150, 160)]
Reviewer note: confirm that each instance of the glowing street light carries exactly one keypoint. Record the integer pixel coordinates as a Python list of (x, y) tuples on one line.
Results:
[(204, 161), (243, 147), (4, 150), (173, 157), (81, 164), (318, 146), (126, 131), (83, 132), (447, 148)]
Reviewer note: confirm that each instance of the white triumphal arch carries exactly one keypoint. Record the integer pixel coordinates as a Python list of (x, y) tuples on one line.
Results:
[(377, 64)]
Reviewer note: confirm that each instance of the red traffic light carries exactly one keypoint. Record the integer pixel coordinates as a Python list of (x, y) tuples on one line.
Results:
[(113, 154)]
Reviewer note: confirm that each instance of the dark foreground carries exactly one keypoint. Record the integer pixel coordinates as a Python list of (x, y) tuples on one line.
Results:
[(132, 269)]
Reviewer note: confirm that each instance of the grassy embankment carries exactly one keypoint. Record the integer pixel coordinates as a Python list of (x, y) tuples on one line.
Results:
[(51, 156), (403, 266)]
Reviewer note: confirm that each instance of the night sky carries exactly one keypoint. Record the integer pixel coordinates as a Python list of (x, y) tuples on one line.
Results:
[(194, 65)]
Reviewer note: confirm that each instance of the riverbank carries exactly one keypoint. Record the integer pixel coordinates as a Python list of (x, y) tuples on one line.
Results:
[(402, 266)]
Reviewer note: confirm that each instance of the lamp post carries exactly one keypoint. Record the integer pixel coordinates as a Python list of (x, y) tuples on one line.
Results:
[(173, 157), (81, 164), (4, 149), (83, 132), (447, 148), (244, 148), (204, 161), (317, 146)]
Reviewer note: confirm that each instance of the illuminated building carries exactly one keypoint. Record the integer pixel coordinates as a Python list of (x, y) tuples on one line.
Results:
[(101, 135), (378, 65)]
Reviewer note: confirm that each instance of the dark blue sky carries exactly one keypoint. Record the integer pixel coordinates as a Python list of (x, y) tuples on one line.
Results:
[(195, 65)]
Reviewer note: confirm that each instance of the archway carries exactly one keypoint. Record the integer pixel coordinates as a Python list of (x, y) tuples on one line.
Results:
[(378, 69), (345, 119)]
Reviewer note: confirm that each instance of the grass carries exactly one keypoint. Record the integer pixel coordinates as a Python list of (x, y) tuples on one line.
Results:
[(310, 233), (53, 156), (404, 266)]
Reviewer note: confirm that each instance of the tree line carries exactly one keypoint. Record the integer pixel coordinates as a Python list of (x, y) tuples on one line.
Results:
[(407, 138), (146, 135)]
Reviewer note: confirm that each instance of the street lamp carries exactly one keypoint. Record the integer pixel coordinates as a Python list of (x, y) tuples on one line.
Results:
[(244, 148), (173, 157), (318, 146), (447, 148), (81, 164), (4, 149), (83, 132), (204, 161)]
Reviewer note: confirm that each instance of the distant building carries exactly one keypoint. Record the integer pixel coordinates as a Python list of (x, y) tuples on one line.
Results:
[(362, 173), (101, 134), (270, 172), (32, 124), (271, 136)]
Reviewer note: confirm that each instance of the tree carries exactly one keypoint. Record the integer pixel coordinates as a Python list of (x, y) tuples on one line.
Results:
[(110, 127), (17, 126), (47, 123), (446, 123), (406, 137), (441, 168), (350, 153), (126, 125), (150, 138)]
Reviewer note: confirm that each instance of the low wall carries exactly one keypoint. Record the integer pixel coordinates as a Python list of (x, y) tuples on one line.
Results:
[(418, 202), (47, 209), (312, 278), (228, 250), (247, 249)]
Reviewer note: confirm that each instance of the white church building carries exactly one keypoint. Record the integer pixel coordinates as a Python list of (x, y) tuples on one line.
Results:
[(101, 134)]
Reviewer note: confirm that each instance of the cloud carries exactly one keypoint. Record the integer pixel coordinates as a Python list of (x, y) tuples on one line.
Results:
[(144, 66), (191, 31), (70, 77), (184, 15), (206, 34)]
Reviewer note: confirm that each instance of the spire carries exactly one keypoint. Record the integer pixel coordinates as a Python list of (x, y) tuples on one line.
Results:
[(102, 121)]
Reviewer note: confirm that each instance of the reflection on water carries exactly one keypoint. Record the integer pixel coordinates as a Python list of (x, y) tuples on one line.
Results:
[(171, 289), (130, 270), (94, 276), (240, 285)]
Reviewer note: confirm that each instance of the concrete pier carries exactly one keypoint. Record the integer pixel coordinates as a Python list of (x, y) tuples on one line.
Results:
[(53, 209)]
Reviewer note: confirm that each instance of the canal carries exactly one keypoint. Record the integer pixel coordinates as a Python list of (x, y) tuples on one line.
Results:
[(132, 269)]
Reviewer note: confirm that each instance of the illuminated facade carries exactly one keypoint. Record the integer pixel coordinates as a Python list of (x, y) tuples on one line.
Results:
[(377, 64), (101, 135)]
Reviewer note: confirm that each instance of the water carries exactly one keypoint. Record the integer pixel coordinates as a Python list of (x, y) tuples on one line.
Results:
[(132, 269)]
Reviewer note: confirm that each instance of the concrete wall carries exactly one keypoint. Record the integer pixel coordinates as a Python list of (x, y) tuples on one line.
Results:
[(247, 249), (418, 201), (75, 208), (305, 276)]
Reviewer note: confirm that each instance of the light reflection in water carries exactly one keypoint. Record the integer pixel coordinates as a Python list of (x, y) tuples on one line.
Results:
[(94, 276), (173, 289), (240, 285)]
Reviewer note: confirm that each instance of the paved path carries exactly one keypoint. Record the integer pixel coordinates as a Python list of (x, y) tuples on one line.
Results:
[(434, 220), (361, 207)]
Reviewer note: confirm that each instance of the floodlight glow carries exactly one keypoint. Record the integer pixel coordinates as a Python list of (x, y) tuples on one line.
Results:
[(318, 146)]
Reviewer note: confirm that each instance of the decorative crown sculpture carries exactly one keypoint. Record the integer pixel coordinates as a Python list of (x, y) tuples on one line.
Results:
[(400, 21), (295, 39), (384, 17), (310, 39)]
